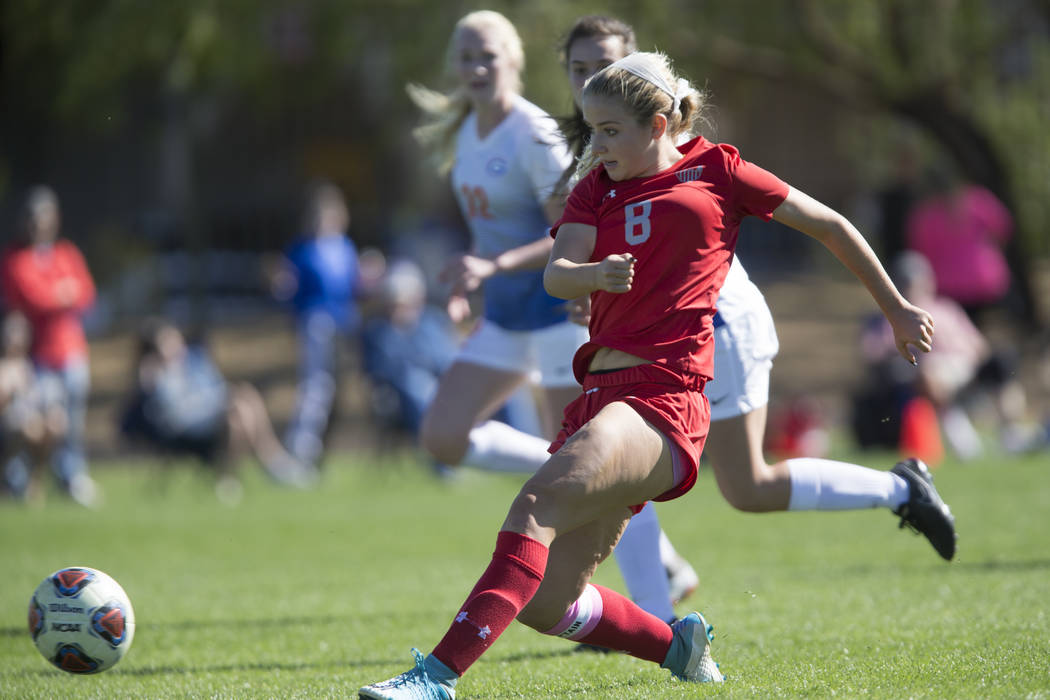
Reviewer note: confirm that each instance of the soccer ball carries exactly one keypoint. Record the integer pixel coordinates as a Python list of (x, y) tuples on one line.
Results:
[(81, 620)]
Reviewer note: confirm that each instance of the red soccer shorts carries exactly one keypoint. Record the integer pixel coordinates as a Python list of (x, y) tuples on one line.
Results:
[(671, 402)]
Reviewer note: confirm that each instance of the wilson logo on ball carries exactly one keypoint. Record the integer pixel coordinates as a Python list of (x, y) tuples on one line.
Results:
[(69, 582)]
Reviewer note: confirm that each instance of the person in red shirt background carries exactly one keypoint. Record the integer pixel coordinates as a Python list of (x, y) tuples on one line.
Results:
[(44, 276)]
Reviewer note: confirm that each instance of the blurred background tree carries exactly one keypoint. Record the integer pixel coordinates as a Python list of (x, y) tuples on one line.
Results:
[(194, 125)]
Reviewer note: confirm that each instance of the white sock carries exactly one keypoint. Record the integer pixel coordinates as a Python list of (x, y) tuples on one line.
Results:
[(669, 556), (498, 447), (638, 556), (823, 484)]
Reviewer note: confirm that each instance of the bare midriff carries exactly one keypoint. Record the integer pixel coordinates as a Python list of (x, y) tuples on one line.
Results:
[(607, 359)]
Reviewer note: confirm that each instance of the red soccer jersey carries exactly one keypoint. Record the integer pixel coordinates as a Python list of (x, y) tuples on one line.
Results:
[(681, 225)]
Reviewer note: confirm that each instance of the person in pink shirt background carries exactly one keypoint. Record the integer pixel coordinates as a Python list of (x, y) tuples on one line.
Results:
[(44, 277), (961, 229)]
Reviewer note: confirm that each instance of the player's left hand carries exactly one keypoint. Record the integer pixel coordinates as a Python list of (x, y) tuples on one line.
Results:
[(911, 326), (466, 272)]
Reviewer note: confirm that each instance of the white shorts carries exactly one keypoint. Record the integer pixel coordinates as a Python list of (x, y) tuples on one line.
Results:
[(744, 352), (545, 354)]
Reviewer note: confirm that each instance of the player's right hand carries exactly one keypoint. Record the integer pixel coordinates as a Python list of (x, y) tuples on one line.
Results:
[(911, 326), (615, 273)]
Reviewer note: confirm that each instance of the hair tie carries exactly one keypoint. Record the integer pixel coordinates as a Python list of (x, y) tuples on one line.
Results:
[(682, 89)]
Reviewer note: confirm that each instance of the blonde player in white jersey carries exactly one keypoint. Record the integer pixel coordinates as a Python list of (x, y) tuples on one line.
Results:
[(505, 157), (745, 345)]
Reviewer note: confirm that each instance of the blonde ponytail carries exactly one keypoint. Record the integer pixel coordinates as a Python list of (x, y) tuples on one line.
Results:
[(444, 115)]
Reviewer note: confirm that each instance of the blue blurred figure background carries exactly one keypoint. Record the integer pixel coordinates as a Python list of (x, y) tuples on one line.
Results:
[(318, 277)]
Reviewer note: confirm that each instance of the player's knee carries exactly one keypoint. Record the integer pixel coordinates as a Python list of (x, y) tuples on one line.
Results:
[(444, 442), (745, 496), (739, 494), (521, 516), (444, 448), (748, 504), (542, 510)]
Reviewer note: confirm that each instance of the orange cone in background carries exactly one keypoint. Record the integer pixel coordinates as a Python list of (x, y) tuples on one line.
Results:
[(921, 432)]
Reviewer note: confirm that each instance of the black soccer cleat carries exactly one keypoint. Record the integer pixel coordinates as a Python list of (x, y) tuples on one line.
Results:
[(924, 511)]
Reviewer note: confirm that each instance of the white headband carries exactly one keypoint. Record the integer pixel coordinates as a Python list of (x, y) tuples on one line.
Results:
[(637, 64)]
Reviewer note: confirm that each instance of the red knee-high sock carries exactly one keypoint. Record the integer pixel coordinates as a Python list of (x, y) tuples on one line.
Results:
[(626, 627), (507, 585)]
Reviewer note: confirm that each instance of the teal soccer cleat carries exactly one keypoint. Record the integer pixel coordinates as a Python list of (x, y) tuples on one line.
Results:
[(410, 685), (689, 658)]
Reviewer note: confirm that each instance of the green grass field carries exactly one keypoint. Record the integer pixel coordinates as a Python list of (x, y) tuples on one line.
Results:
[(313, 594)]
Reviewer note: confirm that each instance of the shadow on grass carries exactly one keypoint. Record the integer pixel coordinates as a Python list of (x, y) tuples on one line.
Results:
[(997, 565), (532, 655), (256, 666), (991, 566), (287, 666), (261, 623), (229, 668), (362, 665), (268, 622)]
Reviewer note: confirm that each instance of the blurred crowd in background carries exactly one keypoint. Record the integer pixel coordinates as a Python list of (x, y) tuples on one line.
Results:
[(236, 168)]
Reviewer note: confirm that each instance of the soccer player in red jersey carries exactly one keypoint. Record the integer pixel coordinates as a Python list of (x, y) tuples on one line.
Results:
[(738, 392), (649, 233)]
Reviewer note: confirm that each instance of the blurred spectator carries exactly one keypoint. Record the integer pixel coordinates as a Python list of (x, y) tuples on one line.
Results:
[(407, 343), (32, 414), (961, 229), (181, 404), (318, 275), (960, 367), (406, 347), (43, 276)]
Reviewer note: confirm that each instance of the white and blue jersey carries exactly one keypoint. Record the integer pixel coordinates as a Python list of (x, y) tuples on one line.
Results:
[(745, 345), (501, 182)]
